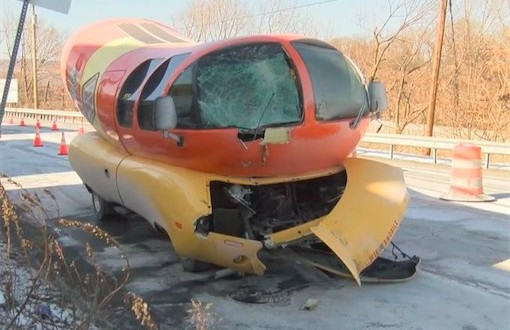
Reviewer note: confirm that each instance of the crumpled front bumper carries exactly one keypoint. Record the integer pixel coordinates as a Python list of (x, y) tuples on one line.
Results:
[(364, 220), (357, 229)]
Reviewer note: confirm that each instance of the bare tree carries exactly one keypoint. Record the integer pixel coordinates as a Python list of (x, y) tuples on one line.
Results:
[(205, 20), (285, 17), (404, 13), (49, 46), (414, 54), (209, 20), (474, 91), (398, 54), (476, 97)]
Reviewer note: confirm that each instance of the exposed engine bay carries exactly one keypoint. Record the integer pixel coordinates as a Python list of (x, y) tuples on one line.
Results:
[(257, 211), (253, 212)]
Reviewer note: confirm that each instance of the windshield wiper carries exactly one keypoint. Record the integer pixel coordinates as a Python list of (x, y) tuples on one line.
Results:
[(355, 123), (251, 134), (262, 116)]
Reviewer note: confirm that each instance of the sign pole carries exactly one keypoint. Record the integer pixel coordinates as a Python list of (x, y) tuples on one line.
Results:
[(34, 57), (12, 61)]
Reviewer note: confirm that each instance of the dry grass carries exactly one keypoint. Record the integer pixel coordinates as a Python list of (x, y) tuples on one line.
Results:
[(140, 308), (83, 295), (200, 315)]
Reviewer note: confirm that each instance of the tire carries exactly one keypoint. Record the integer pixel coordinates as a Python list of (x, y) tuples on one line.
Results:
[(193, 265), (101, 207)]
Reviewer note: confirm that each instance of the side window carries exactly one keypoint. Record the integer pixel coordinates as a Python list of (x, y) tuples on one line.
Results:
[(146, 106), (130, 91), (182, 94), (153, 89), (88, 97)]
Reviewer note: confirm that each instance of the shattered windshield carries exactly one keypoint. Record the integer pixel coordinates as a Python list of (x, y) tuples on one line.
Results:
[(249, 86), (337, 87)]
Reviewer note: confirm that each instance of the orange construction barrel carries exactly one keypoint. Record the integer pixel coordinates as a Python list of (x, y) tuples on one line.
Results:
[(466, 175)]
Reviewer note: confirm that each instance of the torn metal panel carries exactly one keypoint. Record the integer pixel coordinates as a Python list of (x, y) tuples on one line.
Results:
[(357, 234)]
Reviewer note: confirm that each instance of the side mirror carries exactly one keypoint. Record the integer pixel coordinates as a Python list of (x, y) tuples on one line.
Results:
[(165, 116), (377, 97)]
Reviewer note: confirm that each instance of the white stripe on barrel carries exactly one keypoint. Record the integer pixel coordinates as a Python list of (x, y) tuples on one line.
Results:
[(466, 175)]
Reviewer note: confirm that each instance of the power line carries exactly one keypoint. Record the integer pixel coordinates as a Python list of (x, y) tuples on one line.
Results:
[(272, 12), (290, 8)]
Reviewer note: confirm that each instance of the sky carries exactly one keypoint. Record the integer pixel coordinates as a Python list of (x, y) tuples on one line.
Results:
[(340, 17)]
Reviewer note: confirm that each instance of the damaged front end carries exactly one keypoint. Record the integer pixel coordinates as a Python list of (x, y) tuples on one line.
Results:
[(353, 213)]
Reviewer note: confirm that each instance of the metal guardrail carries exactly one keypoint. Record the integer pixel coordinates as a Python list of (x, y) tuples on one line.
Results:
[(391, 140), (434, 143), (65, 116)]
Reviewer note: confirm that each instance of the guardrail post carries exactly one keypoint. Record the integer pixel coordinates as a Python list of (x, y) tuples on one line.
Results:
[(486, 162), (391, 151), (434, 155)]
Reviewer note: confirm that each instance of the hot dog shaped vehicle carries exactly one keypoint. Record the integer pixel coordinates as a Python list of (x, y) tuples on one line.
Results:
[(233, 146)]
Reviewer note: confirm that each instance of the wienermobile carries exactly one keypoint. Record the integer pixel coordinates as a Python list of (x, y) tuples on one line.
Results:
[(234, 146)]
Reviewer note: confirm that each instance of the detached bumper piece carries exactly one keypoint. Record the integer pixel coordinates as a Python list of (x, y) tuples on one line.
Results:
[(364, 220), (382, 270), (367, 216)]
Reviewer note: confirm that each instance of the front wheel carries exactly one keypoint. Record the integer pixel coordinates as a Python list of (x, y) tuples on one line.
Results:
[(100, 206)]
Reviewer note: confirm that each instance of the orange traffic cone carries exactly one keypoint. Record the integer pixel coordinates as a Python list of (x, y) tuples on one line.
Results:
[(63, 146), (38, 124), (22, 122), (54, 125), (81, 131), (37, 140)]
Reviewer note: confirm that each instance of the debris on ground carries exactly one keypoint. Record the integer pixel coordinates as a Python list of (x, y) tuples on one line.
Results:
[(310, 304)]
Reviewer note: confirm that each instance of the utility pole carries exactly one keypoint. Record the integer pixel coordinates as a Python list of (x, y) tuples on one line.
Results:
[(34, 57), (436, 63)]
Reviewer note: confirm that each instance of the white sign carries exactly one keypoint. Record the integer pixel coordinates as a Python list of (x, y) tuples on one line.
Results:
[(62, 6), (12, 97)]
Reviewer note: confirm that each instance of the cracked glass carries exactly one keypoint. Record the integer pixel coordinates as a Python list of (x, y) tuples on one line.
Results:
[(248, 87)]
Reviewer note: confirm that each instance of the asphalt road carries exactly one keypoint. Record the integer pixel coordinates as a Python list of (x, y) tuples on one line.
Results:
[(458, 285)]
